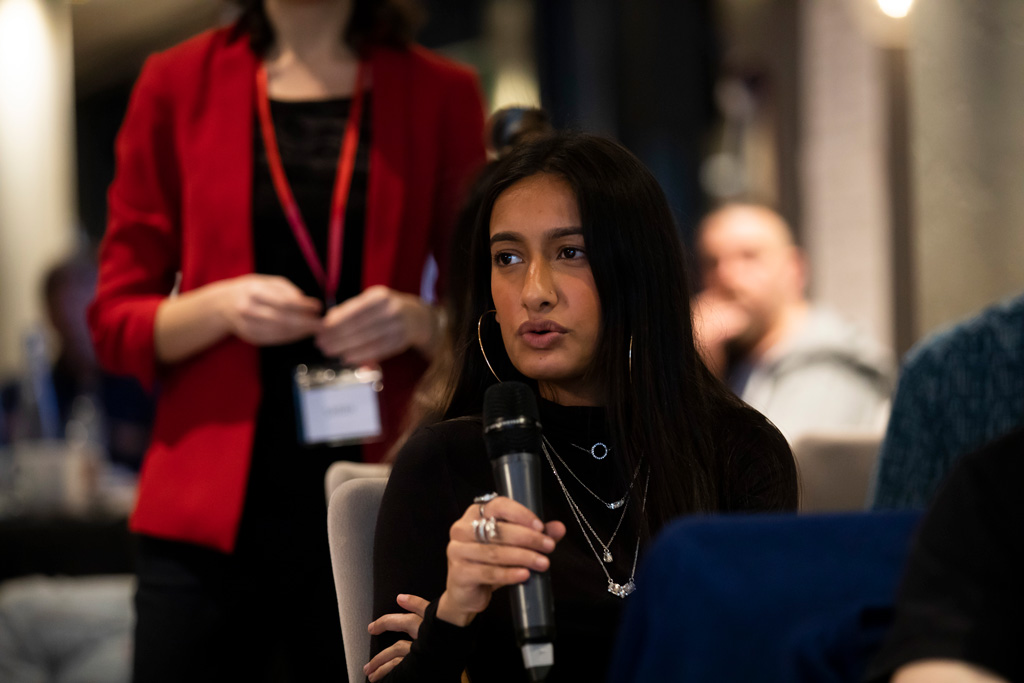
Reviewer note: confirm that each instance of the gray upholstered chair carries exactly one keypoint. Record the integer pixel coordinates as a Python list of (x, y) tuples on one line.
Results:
[(340, 472), (351, 518), (835, 469)]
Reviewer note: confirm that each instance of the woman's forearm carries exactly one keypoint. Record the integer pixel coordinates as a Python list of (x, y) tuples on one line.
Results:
[(446, 611), (191, 322), (943, 671)]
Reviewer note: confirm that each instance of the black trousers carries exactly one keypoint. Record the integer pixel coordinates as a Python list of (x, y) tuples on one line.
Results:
[(267, 612)]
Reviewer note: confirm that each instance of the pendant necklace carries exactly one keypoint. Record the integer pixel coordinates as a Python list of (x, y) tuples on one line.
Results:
[(615, 504), (607, 555), (616, 589), (593, 450)]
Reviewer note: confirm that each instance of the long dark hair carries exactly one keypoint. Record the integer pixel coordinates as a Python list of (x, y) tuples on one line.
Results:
[(374, 22), (659, 411), (506, 128)]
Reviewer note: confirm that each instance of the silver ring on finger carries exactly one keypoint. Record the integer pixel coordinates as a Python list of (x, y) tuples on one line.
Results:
[(483, 500), (485, 530), (491, 529)]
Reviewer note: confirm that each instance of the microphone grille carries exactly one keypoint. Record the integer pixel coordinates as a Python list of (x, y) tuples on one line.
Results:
[(509, 401)]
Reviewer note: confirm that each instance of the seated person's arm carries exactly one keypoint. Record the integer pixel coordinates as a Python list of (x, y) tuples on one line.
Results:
[(412, 529), (944, 671), (961, 595), (426, 545), (716, 322)]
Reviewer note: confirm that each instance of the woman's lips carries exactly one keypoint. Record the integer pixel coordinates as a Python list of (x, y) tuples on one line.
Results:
[(541, 334)]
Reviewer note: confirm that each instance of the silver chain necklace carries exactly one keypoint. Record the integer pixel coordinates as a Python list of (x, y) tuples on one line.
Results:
[(616, 589), (615, 504), (607, 556)]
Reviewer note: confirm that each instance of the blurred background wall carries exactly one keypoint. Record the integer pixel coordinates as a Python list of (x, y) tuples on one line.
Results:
[(967, 118), (37, 169), (893, 144)]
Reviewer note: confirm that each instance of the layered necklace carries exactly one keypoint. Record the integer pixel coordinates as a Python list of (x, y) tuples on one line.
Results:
[(617, 589), (613, 505)]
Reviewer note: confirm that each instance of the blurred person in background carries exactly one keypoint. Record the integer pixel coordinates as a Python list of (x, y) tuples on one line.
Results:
[(959, 389), (5, 430), (801, 365), (54, 623), (124, 409), (67, 288), (293, 173), (118, 411)]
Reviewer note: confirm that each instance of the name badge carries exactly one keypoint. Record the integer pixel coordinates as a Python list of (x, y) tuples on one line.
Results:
[(336, 405)]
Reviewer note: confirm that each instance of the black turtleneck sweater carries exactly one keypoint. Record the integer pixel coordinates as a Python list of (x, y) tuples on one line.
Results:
[(441, 469)]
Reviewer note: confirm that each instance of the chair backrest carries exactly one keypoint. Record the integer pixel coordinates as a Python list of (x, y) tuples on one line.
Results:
[(343, 470), (767, 598), (835, 470), (351, 519)]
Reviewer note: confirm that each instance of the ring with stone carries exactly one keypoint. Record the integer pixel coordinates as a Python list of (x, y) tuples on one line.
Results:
[(483, 500)]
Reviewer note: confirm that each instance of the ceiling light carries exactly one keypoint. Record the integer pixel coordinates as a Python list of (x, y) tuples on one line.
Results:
[(896, 9)]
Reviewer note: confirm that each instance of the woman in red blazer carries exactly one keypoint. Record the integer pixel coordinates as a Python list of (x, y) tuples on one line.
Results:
[(230, 513)]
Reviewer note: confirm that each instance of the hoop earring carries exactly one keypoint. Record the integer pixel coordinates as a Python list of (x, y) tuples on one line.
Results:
[(480, 341)]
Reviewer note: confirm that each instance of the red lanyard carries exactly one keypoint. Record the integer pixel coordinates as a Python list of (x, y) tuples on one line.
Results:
[(342, 184)]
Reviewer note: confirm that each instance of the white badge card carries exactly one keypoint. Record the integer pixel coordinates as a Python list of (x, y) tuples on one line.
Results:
[(338, 405)]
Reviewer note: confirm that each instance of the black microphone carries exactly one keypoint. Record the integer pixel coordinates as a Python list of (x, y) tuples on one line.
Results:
[(512, 436)]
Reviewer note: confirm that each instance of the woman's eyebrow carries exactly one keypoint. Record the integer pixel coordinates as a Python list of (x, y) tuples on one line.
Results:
[(558, 233), (553, 234), (506, 237)]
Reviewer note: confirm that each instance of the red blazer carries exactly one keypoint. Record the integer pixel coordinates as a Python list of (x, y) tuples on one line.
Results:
[(181, 200)]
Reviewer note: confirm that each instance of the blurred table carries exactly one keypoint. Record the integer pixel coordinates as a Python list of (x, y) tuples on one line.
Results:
[(64, 545), (63, 511)]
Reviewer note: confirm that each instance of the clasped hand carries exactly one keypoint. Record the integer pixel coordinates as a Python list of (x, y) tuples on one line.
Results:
[(379, 323), (717, 321)]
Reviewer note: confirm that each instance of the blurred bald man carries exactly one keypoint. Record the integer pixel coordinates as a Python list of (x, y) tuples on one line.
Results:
[(802, 366)]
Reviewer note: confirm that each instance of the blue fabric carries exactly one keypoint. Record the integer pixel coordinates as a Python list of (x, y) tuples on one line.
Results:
[(763, 598), (958, 390)]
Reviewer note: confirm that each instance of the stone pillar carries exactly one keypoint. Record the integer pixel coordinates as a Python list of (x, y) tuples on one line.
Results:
[(967, 146), (845, 201), (36, 160)]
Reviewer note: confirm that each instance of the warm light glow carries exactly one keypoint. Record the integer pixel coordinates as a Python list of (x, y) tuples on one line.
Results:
[(36, 159), (515, 87), (26, 69), (896, 9)]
